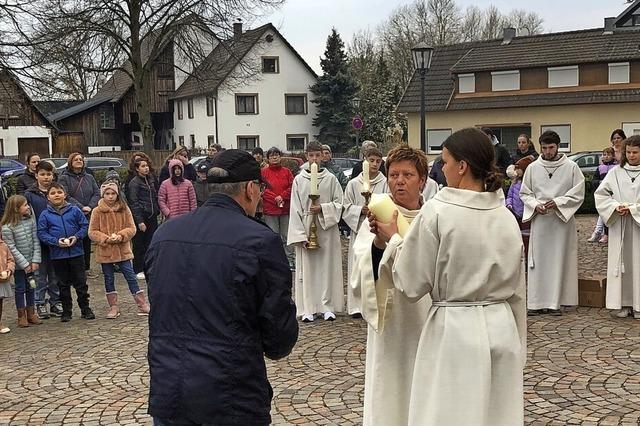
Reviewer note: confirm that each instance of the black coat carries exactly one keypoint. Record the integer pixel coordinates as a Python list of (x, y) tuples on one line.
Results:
[(503, 159), (436, 172), (143, 198), (24, 182), (220, 294), (520, 155)]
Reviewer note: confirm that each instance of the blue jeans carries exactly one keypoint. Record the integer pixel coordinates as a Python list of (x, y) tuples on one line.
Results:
[(47, 280), (126, 267), (23, 290)]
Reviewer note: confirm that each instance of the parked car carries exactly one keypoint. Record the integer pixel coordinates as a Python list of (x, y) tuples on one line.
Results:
[(346, 164), (7, 164), (100, 163), (58, 163), (588, 161)]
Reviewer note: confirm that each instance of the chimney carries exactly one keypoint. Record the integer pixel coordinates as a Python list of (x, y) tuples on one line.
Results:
[(508, 35), (609, 25), (237, 30)]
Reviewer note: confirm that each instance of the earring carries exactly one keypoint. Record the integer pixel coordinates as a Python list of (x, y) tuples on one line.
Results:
[(460, 173)]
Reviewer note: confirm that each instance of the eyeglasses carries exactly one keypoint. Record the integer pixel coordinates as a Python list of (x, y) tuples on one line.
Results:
[(262, 185)]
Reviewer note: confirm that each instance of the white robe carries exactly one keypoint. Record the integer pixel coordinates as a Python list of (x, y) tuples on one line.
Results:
[(394, 328), (318, 277), (465, 250), (553, 242), (623, 271), (430, 189), (352, 205)]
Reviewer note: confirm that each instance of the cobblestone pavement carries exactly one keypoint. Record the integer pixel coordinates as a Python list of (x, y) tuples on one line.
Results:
[(584, 367)]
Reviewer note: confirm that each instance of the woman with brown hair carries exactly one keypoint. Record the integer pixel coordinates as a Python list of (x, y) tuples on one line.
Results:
[(180, 153), (464, 249), (135, 157), (525, 148)]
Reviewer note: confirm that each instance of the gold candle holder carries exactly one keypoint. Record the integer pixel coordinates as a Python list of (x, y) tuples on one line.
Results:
[(312, 242), (367, 197)]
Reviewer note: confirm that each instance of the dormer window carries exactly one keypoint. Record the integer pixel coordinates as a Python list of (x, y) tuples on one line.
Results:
[(619, 73), (563, 76), (505, 80), (466, 83)]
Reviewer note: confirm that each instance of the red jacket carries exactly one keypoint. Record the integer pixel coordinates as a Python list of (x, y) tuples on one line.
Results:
[(280, 178)]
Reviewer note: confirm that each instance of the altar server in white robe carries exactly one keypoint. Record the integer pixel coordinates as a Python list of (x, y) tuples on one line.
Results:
[(552, 192), (464, 249), (354, 212), (618, 202), (394, 321), (318, 276)]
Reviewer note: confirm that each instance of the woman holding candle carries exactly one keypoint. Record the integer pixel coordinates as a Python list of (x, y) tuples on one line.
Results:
[(318, 278), (472, 348), (355, 211)]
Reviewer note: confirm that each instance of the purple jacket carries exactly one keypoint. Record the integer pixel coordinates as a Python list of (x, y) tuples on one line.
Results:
[(513, 199)]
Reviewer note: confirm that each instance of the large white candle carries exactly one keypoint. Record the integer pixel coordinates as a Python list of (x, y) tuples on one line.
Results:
[(383, 207), (366, 182), (314, 179)]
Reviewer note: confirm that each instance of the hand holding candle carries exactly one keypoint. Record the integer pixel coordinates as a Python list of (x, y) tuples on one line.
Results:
[(314, 179), (366, 182), (383, 207)]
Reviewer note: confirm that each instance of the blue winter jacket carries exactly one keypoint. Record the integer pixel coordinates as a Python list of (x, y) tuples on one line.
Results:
[(53, 225), (220, 293)]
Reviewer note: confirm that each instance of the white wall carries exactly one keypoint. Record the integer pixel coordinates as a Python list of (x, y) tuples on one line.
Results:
[(10, 137), (271, 124), (184, 63)]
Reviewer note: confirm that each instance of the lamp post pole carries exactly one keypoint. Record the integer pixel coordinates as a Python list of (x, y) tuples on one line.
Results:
[(422, 54), (423, 121)]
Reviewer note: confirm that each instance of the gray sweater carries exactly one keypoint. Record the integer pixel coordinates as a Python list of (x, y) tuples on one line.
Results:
[(23, 242)]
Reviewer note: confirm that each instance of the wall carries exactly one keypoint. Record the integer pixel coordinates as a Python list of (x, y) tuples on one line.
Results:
[(10, 137), (591, 125), (270, 124)]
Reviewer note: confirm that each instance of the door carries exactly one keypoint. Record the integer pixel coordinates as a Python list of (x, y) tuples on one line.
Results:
[(28, 145)]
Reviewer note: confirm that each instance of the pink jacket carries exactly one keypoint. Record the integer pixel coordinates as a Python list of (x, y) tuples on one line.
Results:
[(176, 200)]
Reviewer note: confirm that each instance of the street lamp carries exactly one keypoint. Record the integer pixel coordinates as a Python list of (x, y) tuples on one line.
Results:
[(422, 54), (356, 121)]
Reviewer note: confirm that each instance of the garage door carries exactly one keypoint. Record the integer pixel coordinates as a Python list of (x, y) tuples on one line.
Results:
[(39, 145)]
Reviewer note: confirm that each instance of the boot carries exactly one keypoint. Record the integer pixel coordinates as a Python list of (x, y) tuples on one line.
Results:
[(3, 328), (113, 311), (32, 318), (143, 306), (22, 318)]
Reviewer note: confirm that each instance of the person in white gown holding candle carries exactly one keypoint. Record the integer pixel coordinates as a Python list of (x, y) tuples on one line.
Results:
[(355, 210), (464, 250), (394, 323), (318, 276)]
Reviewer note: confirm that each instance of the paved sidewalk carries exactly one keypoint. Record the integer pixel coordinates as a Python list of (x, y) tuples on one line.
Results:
[(584, 367)]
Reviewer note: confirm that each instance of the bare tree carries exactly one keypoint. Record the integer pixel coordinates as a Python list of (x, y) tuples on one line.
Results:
[(444, 18), (471, 26), (525, 23), (493, 23), (139, 30)]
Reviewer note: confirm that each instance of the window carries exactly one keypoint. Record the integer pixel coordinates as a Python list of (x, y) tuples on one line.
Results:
[(505, 80), (107, 117), (588, 160), (270, 65), (210, 106), (295, 104), (192, 141), (296, 142), (435, 139), (180, 114), (211, 140), (248, 142), (466, 83), (619, 73), (190, 108), (181, 140), (564, 131), (246, 104), (631, 129), (563, 76)]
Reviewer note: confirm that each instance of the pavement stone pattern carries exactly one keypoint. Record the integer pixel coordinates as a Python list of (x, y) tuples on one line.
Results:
[(583, 367)]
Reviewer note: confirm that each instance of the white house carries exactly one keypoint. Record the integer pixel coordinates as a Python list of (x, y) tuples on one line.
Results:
[(252, 90)]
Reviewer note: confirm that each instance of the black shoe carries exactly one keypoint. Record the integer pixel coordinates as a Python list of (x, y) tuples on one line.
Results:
[(56, 310), (356, 316), (555, 312), (88, 314), (533, 312), (65, 317)]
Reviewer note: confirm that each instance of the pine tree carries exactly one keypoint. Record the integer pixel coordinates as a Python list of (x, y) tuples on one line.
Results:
[(334, 93)]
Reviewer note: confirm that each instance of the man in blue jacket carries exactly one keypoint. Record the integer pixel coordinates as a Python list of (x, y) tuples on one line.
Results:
[(220, 293)]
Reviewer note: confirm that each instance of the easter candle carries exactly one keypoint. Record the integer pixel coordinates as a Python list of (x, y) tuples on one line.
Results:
[(366, 182), (314, 179), (382, 206)]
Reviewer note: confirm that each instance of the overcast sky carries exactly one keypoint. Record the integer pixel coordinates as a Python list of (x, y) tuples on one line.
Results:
[(307, 23)]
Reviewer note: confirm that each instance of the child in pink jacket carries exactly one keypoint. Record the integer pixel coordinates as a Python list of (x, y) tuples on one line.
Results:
[(176, 195)]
